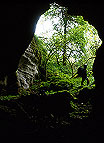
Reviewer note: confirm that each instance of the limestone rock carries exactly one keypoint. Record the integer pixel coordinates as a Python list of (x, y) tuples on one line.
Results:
[(27, 68)]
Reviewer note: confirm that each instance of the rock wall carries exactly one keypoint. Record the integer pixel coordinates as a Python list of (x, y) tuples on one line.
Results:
[(28, 66), (8, 84)]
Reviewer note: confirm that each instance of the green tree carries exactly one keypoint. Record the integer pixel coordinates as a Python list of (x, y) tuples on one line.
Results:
[(73, 42)]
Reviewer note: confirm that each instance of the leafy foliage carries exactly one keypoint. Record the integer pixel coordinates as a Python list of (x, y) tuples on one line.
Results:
[(73, 41)]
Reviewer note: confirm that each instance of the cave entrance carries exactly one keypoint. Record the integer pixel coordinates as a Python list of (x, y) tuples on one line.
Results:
[(67, 42), (67, 45)]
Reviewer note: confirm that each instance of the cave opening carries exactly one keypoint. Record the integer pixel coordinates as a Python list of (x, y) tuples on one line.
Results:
[(66, 43), (52, 97), (68, 40)]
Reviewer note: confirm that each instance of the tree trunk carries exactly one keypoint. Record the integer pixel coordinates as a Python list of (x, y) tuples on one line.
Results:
[(64, 47), (43, 72)]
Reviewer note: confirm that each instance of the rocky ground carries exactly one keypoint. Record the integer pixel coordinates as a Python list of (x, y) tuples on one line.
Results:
[(47, 118)]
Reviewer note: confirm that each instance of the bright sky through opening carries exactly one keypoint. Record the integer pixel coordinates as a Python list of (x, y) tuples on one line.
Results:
[(45, 28)]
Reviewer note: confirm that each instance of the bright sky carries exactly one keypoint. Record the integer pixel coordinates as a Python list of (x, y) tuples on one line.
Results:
[(45, 28)]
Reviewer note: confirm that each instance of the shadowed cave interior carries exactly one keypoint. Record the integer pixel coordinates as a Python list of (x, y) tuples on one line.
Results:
[(20, 116)]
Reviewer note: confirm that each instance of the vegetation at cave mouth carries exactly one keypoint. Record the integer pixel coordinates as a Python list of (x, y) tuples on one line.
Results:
[(72, 44)]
